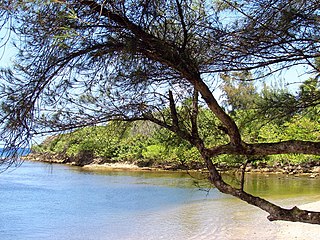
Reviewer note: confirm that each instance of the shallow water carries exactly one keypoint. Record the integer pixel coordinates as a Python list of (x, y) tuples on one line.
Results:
[(41, 201)]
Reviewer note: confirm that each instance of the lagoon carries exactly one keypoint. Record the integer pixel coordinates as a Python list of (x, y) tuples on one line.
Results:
[(43, 201)]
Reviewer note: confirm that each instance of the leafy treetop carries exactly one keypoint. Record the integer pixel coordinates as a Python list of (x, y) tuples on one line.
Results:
[(86, 63)]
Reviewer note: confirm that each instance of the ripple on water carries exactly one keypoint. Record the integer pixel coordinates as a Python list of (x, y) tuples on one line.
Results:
[(64, 203)]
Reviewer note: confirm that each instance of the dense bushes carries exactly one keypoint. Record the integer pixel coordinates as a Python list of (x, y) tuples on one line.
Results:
[(129, 142), (146, 144)]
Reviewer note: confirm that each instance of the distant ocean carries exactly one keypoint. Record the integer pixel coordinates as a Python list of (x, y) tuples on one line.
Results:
[(5, 152)]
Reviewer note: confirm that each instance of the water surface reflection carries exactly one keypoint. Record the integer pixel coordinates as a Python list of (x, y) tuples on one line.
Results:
[(41, 201)]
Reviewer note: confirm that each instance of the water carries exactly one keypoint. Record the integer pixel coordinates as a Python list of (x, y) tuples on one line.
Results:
[(41, 201), (5, 152)]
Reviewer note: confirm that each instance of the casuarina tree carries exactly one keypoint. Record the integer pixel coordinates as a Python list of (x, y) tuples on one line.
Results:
[(82, 63)]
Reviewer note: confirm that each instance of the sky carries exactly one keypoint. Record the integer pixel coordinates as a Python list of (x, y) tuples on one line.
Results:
[(288, 78), (291, 78), (6, 55), (6, 49)]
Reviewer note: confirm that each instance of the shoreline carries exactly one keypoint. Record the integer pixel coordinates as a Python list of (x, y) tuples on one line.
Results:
[(297, 230), (311, 169), (263, 229)]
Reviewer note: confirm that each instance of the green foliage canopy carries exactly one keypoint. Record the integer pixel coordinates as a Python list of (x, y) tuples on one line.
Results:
[(84, 63)]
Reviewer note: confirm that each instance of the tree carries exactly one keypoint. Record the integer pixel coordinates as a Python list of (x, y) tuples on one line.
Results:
[(239, 92), (85, 63)]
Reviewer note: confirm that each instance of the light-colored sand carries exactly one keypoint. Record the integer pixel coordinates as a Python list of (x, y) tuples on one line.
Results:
[(262, 228), (112, 166), (253, 224), (301, 231)]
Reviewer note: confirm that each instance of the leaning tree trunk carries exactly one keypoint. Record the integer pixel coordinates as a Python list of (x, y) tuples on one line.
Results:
[(179, 60), (276, 212)]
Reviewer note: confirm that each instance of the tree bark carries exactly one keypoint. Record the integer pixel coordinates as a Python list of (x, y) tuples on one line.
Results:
[(276, 213), (260, 149), (178, 60)]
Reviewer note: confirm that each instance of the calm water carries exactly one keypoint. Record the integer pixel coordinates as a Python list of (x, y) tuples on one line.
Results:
[(41, 201)]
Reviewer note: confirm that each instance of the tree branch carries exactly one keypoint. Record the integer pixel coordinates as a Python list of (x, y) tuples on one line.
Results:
[(194, 114), (181, 133), (183, 24), (276, 213), (260, 149), (173, 110), (161, 51), (227, 121)]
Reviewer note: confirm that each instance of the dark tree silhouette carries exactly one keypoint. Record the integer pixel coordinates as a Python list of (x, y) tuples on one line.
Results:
[(83, 63)]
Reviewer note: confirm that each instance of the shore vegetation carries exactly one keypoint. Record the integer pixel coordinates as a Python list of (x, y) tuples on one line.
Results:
[(91, 62)]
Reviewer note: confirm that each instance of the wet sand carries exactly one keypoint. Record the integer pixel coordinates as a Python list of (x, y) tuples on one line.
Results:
[(301, 231), (112, 166), (263, 229), (258, 226)]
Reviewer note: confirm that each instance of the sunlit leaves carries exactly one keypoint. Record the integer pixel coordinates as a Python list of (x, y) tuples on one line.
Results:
[(81, 63)]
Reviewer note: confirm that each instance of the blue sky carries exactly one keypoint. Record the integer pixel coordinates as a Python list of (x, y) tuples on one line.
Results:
[(288, 78), (6, 55), (6, 49)]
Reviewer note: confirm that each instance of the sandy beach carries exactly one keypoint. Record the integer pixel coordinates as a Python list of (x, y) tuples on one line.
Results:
[(263, 229), (301, 231), (253, 224), (112, 166)]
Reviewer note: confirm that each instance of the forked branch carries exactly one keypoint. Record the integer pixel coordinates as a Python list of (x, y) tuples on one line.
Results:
[(276, 213)]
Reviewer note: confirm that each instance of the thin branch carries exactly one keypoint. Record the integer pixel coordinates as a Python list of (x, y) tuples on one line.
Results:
[(243, 172), (194, 114), (261, 149), (173, 110), (183, 24)]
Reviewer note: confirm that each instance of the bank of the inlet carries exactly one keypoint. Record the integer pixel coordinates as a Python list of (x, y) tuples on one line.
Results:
[(310, 169), (58, 201)]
